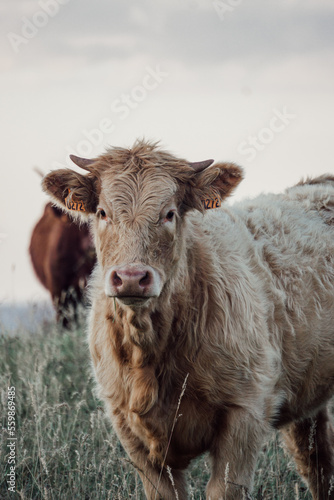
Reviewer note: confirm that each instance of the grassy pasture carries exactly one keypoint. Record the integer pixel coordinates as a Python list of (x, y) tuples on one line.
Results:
[(66, 448)]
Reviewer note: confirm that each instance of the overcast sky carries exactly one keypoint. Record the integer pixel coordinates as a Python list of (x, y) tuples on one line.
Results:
[(244, 81)]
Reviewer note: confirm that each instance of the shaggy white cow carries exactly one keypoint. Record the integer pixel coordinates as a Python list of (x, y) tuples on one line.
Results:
[(240, 301)]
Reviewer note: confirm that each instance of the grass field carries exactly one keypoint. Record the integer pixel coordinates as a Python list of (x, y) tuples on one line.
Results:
[(66, 448)]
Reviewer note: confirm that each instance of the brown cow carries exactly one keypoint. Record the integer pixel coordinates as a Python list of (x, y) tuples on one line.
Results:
[(63, 256), (238, 302)]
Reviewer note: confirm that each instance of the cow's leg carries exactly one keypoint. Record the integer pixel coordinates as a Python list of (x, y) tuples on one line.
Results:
[(165, 486), (234, 456), (59, 304), (159, 484), (311, 441), (65, 304)]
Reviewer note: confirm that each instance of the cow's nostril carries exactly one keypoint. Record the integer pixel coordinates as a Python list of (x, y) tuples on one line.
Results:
[(145, 280), (116, 280)]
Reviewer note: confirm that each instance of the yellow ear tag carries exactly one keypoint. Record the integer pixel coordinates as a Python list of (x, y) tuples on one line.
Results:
[(72, 203), (211, 203)]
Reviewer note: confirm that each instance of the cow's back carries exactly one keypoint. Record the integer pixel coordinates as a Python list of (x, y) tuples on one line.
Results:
[(296, 226)]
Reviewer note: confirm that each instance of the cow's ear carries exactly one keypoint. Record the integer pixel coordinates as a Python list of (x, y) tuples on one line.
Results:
[(74, 192), (212, 184)]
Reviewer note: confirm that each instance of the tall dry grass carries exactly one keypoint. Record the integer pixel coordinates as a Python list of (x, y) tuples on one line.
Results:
[(66, 448)]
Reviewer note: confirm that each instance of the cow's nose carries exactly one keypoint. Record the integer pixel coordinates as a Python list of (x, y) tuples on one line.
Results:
[(131, 282)]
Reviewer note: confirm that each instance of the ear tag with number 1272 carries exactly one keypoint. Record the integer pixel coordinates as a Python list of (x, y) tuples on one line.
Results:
[(211, 203), (72, 203)]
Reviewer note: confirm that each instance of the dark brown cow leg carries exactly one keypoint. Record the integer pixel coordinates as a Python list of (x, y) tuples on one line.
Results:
[(60, 303), (311, 442)]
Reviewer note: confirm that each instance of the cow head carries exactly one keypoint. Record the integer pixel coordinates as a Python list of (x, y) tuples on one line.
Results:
[(138, 200)]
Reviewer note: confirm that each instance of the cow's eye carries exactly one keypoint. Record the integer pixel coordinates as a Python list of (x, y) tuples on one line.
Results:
[(101, 213), (167, 216), (170, 215)]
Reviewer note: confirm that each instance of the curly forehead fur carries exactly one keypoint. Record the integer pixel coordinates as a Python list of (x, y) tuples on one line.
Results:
[(136, 182), (136, 196), (142, 156)]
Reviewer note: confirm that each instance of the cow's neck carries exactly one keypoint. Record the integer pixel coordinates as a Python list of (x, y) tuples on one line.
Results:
[(193, 295)]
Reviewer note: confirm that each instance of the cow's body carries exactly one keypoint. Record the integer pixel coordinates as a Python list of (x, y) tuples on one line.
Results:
[(231, 324), (63, 256)]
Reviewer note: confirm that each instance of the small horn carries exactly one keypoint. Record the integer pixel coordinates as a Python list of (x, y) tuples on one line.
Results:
[(198, 166), (82, 162)]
